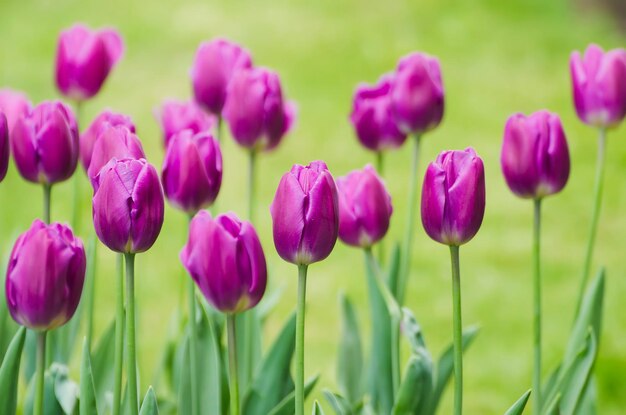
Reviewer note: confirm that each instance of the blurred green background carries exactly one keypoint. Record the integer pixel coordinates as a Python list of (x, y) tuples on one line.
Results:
[(497, 57)]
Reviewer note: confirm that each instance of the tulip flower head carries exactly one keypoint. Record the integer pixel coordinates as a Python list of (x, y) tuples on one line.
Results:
[(535, 157), (45, 276), (305, 214), (453, 197), (100, 124), (176, 116), (116, 142), (14, 105), (4, 146)]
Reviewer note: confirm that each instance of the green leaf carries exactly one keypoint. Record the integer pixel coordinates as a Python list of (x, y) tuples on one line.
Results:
[(587, 405), (412, 330), (350, 357), (317, 409), (416, 386), (9, 373), (339, 404), (103, 368), (87, 403), (248, 326), (519, 405), (60, 394), (149, 405), (285, 407), (393, 273)]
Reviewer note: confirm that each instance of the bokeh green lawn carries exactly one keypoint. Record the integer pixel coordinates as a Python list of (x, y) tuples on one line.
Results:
[(498, 57)]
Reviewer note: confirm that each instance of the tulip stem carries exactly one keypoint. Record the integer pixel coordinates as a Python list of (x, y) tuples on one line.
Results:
[(595, 215), (232, 361), (119, 334), (537, 306), (90, 286), (380, 167), (302, 270), (131, 364), (47, 195), (457, 330), (193, 350), (251, 187), (41, 369)]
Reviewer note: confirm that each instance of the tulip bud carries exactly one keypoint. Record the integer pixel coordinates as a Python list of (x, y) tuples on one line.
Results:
[(192, 170), (4, 146), (372, 118), (45, 143), (115, 142), (305, 214), (364, 208), (14, 105), (176, 116), (255, 109), (225, 258), (417, 97), (128, 205), (212, 69), (84, 60), (599, 84), (104, 121), (45, 276), (453, 197), (535, 158)]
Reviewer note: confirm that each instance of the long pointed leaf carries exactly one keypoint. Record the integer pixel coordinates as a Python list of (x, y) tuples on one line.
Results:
[(416, 386), (149, 405), (87, 402), (103, 368), (9, 373), (339, 404), (317, 409), (519, 405), (350, 358), (285, 407)]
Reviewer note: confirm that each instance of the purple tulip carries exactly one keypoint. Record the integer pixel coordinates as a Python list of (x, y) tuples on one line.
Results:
[(225, 258), (372, 118), (535, 157), (14, 105), (45, 276), (417, 97), (305, 214), (128, 205), (599, 84), (176, 116), (453, 197), (115, 142), (84, 60), (213, 67), (44, 143), (100, 124), (192, 170), (364, 208), (255, 109), (4, 146)]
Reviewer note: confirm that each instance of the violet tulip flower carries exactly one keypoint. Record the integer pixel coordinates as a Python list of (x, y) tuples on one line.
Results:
[(4, 146), (364, 208), (45, 276), (14, 105), (305, 214), (453, 197), (116, 142), (84, 59), (599, 86), (213, 67), (192, 170), (176, 116), (128, 205), (535, 158), (100, 124)]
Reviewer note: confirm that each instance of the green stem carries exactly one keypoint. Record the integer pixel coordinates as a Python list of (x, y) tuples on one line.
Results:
[(41, 369), (302, 270), (380, 166), (47, 195), (131, 350), (251, 186), (537, 306), (457, 330), (193, 351), (232, 361), (90, 289), (595, 214), (119, 334)]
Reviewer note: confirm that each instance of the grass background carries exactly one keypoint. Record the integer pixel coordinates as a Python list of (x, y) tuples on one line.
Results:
[(497, 57)]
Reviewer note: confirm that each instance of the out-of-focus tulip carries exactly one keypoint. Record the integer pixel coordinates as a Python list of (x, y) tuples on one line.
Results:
[(192, 170), (14, 105), (176, 116), (84, 59), (100, 124), (225, 258), (45, 143), (417, 96), (599, 85), (255, 109), (213, 67), (45, 276), (371, 116), (535, 158), (4, 146), (128, 205), (305, 214), (453, 197), (364, 208), (116, 142)]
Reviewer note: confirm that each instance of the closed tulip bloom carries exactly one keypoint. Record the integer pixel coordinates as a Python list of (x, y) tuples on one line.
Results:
[(116, 142), (372, 118), (44, 143), (305, 214), (84, 59), (100, 124), (128, 205), (599, 85), (225, 258), (14, 105), (417, 96), (176, 116), (453, 197), (45, 276), (213, 67), (535, 158), (256, 112), (4, 146), (192, 170)]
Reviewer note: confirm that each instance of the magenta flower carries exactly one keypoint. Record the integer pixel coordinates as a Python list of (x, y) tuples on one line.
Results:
[(14, 105), (4, 146), (100, 124), (116, 142), (176, 116)]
